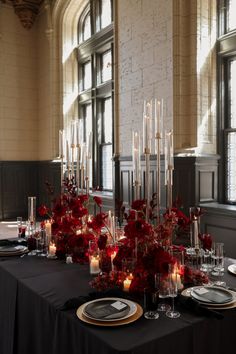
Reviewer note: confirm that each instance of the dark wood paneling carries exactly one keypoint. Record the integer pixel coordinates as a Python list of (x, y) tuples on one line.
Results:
[(21, 179), (195, 179), (220, 222)]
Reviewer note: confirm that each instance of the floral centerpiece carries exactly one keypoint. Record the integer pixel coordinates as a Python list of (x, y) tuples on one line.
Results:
[(148, 244), (72, 225)]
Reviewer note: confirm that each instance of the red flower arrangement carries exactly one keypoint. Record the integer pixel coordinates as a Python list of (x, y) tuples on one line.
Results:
[(146, 244), (72, 226)]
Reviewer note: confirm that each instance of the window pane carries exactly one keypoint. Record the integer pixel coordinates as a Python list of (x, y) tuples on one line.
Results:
[(231, 15), (107, 120), (233, 94), (88, 121), (87, 78), (87, 27), (107, 166), (106, 13), (106, 66), (231, 167)]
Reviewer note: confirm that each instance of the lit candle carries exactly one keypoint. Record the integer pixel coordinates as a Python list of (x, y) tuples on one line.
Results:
[(177, 279), (113, 255), (94, 265), (48, 229), (52, 249), (126, 284)]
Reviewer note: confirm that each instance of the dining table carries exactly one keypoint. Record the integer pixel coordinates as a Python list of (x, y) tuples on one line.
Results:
[(35, 320)]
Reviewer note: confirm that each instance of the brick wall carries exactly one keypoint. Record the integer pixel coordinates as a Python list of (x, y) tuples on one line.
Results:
[(145, 70)]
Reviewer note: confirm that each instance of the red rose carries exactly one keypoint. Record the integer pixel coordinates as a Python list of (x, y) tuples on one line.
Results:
[(98, 201), (43, 210), (139, 204), (206, 240)]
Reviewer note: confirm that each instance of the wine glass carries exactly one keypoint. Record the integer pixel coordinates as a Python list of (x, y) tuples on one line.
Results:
[(173, 291)]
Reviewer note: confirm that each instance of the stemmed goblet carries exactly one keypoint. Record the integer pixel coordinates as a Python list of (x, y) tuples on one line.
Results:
[(173, 291)]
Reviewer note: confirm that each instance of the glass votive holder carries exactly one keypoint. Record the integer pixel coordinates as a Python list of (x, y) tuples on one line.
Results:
[(94, 264), (52, 251), (19, 225), (69, 259)]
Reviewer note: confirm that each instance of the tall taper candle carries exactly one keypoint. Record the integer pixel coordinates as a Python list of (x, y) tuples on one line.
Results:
[(158, 137), (147, 119), (136, 163)]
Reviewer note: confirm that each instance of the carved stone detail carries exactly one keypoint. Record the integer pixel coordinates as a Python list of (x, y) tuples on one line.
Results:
[(26, 10)]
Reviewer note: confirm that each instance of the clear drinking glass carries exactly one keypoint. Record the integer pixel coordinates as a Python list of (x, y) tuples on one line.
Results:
[(218, 263), (150, 304), (163, 288), (19, 225), (173, 292)]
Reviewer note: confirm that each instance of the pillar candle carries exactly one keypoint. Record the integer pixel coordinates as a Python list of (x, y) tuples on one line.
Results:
[(126, 284), (94, 265)]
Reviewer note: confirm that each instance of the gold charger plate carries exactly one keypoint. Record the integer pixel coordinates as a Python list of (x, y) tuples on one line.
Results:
[(128, 320)]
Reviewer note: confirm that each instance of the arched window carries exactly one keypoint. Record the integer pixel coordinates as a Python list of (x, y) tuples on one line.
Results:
[(227, 97), (95, 99)]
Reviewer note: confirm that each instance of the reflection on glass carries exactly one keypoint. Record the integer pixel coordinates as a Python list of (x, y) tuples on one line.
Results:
[(88, 130), (107, 121), (231, 15), (231, 167), (105, 13), (107, 166), (106, 66), (87, 77), (233, 94), (87, 27)]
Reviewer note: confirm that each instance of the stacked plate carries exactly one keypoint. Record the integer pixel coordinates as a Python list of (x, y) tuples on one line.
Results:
[(232, 269), (214, 297), (12, 250), (109, 312)]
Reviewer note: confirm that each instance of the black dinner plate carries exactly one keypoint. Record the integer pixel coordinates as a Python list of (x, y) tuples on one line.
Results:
[(103, 310), (211, 295)]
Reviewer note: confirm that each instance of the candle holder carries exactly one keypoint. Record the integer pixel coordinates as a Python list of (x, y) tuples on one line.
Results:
[(52, 251), (158, 191), (94, 258), (136, 163), (32, 212), (78, 167), (147, 182)]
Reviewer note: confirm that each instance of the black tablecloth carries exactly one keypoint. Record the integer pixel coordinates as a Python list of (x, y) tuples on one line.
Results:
[(33, 291)]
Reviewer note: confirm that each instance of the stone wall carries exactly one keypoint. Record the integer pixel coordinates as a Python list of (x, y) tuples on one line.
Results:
[(145, 69)]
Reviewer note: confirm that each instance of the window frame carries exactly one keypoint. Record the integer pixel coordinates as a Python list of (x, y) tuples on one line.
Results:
[(226, 51), (91, 49)]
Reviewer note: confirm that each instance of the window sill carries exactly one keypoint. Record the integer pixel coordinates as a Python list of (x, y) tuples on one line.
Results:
[(220, 209)]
